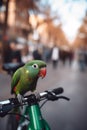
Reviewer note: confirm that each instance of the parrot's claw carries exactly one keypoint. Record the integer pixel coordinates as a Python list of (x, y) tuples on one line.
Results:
[(20, 98)]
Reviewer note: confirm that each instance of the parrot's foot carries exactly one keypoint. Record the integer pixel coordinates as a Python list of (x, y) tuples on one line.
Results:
[(20, 98)]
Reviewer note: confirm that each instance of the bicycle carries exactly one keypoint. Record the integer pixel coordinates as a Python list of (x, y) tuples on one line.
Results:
[(10, 68), (35, 120)]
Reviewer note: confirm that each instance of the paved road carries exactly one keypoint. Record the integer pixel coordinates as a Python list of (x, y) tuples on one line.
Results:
[(61, 115)]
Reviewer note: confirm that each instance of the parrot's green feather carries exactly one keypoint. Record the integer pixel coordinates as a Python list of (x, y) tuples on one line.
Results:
[(15, 79)]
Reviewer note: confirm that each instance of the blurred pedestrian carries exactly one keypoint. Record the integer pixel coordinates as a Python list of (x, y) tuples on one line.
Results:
[(70, 57), (62, 55), (46, 54), (37, 53), (55, 56), (6, 52), (26, 55), (1, 56), (86, 56), (15, 54), (81, 58), (10, 52)]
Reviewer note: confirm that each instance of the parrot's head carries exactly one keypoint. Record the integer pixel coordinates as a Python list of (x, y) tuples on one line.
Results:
[(36, 69)]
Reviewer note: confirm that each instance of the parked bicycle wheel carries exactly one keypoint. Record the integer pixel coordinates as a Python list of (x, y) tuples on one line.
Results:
[(12, 123)]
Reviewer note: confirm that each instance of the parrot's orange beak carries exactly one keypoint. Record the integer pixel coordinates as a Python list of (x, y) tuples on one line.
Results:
[(42, 72)]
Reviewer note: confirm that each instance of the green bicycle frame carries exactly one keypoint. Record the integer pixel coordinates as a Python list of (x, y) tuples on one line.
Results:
[(36, 120)]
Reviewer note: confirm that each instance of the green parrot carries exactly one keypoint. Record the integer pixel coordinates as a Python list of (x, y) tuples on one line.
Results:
[(25, 78)]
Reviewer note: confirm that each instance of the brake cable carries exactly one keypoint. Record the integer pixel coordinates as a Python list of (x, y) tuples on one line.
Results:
[(13, 113)]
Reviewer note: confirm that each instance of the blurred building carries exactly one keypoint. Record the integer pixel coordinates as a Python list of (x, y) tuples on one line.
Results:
[(81, 38)]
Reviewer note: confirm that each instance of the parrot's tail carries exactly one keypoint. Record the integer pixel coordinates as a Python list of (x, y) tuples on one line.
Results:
[(12, 92)]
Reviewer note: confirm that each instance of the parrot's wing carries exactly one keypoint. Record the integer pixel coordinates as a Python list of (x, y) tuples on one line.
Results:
[(15, 80)]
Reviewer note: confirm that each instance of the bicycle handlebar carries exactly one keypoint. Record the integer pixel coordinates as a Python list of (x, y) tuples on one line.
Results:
[(52, 95)]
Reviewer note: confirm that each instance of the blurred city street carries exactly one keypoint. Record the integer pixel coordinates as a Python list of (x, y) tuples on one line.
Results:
[(61, 115), (54, 31)]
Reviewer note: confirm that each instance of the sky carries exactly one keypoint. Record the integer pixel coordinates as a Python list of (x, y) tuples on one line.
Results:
[(71, 14)]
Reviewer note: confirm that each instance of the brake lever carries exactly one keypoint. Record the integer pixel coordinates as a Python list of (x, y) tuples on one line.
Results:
[(64, 97), (51, 96)]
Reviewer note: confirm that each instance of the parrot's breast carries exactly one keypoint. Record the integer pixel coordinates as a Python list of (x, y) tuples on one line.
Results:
[(26, 85)]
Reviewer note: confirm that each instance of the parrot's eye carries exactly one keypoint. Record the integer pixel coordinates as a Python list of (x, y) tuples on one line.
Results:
[(35, 66)]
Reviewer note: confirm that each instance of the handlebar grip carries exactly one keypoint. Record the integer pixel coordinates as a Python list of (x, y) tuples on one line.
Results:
[(8, 105), (58, 90), (4, 109)]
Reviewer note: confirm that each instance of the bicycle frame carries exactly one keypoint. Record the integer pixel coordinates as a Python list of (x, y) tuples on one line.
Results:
[(36, 120)]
